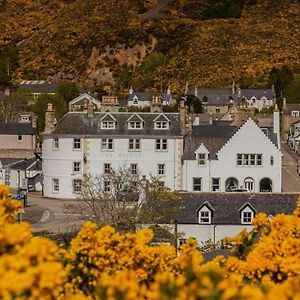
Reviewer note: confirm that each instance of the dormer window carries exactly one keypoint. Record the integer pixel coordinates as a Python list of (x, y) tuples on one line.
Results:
[(161, 125), (247, 214), (295, 114), (135, 122), (205, 214), (135, 100), (108, 125), (135, 125), (201, 159)]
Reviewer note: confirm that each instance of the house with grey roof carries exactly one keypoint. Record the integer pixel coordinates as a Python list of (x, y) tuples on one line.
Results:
[(218, 100), (23, 173), (38, 87), (146, 99), (214, 216), (221, 158), (80, 103), (290, 115)]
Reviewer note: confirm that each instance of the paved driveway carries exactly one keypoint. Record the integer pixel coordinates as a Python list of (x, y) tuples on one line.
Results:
[(290, 177)]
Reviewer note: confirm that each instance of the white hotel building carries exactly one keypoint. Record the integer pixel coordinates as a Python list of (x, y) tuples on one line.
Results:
[(213, 157)]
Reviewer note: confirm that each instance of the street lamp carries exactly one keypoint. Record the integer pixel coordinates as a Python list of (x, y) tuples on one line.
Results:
[(25, 166)]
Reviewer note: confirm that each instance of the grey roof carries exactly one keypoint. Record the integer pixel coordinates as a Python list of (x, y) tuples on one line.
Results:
[(291, 107), (39, 87), (212, 136), (221, 96), (78, 123), (32, 163), (227, 205), (17, 129), (258, 93), (147, 96)]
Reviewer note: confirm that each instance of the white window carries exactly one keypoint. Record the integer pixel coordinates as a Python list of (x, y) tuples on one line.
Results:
[(134, 145), (247, 217), (249, 160), (77, 184), (107, 168), (161, 125), (161, 170), (20, 138), (108, 125), (249, 184), (106, 186), (133, 169), (161, 145), (135, 125), (216, 184), (76, 144), (197, 184), (107, 145), (55, 185), (76, 166), (295, 113), (55, 144), (204, 215), (135, 100), (201, 159)]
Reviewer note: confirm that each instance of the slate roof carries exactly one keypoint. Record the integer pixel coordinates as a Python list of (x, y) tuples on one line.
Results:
[(38, 87), (17, 129), (226, 205), (78, 123), (212, 136), (147, 96), (221, 96), (258, 93), (291, 107), (32, 164)]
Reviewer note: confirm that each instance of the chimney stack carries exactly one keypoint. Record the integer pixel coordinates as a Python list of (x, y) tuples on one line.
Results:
[(182, 116), (49, 119), (90, 110), (210, 119)]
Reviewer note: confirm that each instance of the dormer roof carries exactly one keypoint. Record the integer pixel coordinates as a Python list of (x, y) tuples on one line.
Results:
[(161, 118), (108, 117), (135, 118)]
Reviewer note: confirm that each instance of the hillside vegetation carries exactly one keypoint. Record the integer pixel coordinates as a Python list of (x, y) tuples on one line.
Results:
[(149, 44)]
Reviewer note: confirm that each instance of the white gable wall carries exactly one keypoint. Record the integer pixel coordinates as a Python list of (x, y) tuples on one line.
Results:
[(249, 139)]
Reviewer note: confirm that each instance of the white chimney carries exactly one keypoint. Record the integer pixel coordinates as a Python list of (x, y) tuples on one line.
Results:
[(276, 124)]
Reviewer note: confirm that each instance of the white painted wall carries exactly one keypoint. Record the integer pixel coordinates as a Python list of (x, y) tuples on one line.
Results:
[(203, 233), (59, 163), (248, 140)]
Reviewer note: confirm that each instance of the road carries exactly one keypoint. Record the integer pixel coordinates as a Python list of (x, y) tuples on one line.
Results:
[(290, 178), (54, 215)]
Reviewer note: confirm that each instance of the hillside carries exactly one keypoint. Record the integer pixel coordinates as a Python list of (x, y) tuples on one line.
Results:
[(148, 43)]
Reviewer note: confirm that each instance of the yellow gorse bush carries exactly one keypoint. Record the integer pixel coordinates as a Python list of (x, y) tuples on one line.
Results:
[(104, 264)]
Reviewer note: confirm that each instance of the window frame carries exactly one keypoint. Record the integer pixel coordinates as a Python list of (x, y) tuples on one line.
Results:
[(77, 141), (249, 159), (134, 169), (75, 181), (134, 143), (55, 184), (55, 144), (106, 168), (20, 138), (243, 217), (105, 142), (108, 123), (202, 160), (161, 125), (161, 145), (197, 185), (79, 167), (161, 170), (133, 125), (214, 184)]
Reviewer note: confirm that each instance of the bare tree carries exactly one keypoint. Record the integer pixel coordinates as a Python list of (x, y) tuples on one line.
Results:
[(123, 200)]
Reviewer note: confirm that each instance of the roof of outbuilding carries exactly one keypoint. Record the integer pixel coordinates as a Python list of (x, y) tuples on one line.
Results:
[(227, 205), (17, 129), (32, 163), (78, 123), (212, 136), (291, 107)]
